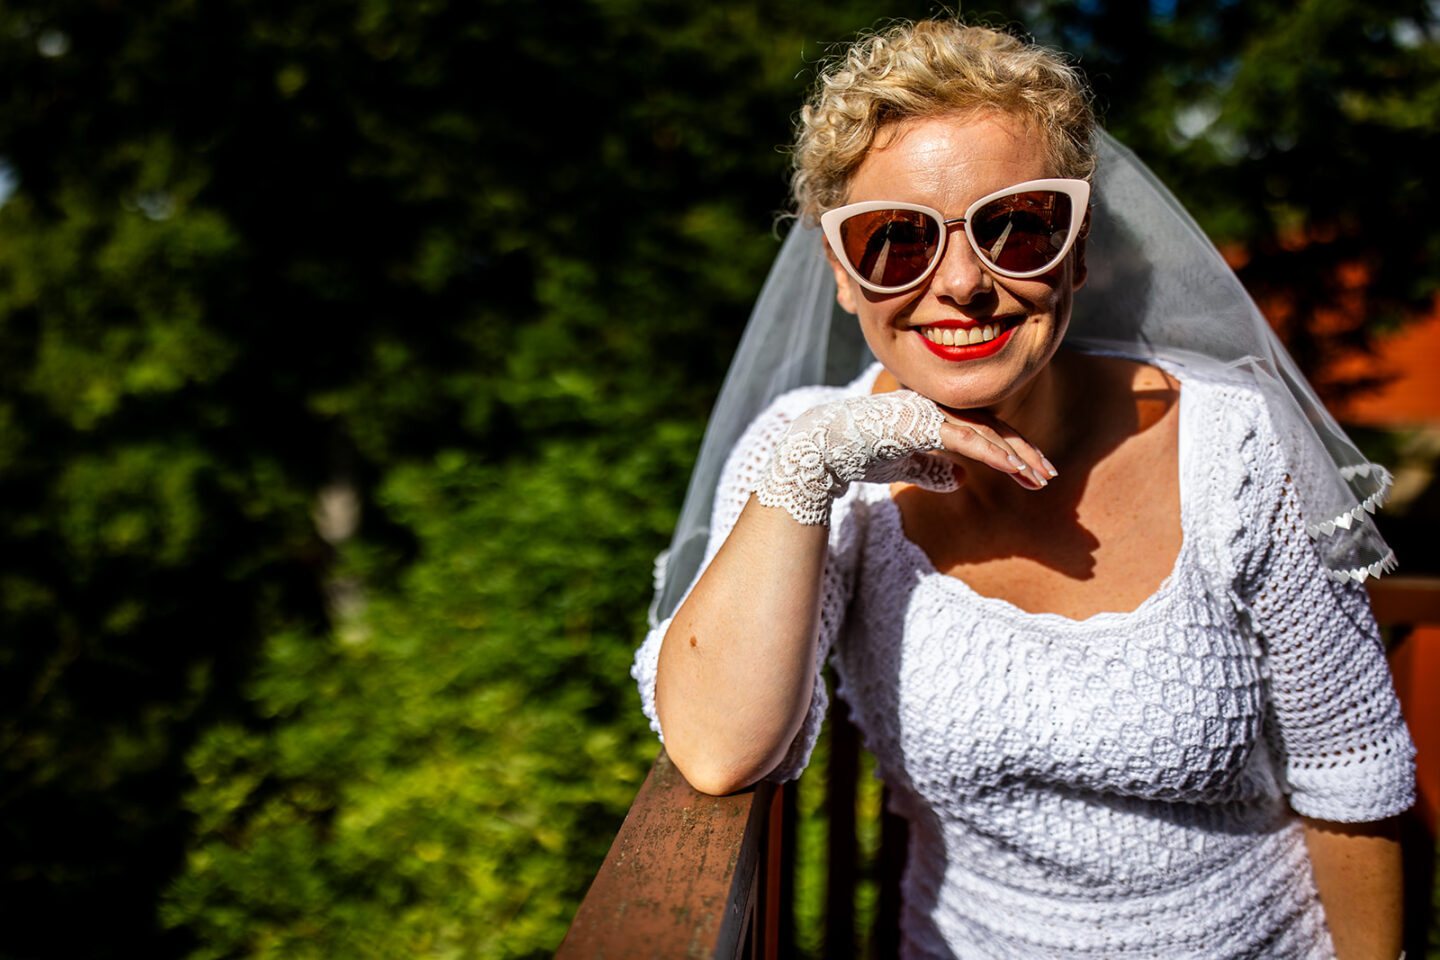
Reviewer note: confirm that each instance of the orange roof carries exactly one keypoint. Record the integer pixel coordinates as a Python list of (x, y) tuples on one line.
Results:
[(1409, 360)]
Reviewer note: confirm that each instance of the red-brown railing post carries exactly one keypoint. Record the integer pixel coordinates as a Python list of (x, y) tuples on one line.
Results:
[(681, 879)]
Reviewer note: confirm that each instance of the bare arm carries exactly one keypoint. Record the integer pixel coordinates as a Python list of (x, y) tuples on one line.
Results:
[(738, 662), (1358, 875), (737, 665)]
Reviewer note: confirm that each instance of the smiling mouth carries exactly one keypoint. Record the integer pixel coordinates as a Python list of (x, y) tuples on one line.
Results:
[(960, 336), (952, 341)]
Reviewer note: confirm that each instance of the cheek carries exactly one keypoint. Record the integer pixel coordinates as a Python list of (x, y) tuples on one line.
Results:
[(883, 337), (881, 318), (1043, 298), (1051, 312), (846, 290)]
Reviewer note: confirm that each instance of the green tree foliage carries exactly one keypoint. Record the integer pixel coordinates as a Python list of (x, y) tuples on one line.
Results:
[(477, 266), (352, 359)]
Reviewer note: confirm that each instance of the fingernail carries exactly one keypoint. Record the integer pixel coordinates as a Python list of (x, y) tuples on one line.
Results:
[(1016, 462), (1043, 481), (1049, 467)]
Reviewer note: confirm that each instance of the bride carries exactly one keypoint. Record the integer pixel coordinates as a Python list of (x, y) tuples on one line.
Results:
[(1086, 570)]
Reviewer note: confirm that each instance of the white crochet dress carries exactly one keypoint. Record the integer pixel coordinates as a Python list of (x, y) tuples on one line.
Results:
[(1115, 786)]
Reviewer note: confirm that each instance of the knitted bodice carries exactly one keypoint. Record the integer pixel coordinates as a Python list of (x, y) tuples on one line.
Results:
[(1112, 786)]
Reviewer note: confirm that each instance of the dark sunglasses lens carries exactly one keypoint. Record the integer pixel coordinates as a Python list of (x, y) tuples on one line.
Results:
[(1023, 231), (890, 248)]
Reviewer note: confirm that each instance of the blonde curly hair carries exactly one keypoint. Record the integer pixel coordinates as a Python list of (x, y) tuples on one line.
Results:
[(926, 69)]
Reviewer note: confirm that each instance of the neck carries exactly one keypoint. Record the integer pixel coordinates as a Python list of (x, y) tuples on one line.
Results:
[(1043, 410)]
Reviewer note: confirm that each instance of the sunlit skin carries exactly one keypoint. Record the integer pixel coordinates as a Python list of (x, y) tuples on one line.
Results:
[(948, 163)]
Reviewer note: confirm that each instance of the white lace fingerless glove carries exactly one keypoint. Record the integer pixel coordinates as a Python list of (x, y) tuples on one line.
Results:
[(881, 438)]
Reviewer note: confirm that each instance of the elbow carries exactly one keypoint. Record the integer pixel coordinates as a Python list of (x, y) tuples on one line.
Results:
[(716, 779), (721, 753)]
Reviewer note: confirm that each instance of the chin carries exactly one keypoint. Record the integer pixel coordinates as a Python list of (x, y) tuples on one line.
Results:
[(973, 384), (976, 396)]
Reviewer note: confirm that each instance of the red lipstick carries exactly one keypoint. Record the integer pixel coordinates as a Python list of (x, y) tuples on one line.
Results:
[(969, 351)]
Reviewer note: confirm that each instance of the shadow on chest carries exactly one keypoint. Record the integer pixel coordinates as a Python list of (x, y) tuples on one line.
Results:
[(1102, 537)]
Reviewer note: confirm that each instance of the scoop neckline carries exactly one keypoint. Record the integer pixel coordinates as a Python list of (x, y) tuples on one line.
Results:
[(922, 564)]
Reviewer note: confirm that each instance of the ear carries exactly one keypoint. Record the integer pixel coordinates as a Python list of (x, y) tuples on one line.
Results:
[(1081, 271), (844, 289)]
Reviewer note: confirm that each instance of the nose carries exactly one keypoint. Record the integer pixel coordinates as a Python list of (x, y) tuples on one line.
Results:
[(959, 276)]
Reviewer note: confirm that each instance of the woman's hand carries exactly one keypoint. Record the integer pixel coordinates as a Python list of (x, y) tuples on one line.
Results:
[(886, 438), (974, 436)]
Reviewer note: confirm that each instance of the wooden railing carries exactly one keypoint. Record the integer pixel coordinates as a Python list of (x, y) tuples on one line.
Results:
[(695, 876), (688, 876)]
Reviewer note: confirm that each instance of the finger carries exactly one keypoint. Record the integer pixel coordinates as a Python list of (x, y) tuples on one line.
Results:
[(1028, 452), (1039, 468), (1001, 433), (984, 446)]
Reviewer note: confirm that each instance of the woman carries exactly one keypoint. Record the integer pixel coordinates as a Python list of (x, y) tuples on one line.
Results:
[(1129, 706)]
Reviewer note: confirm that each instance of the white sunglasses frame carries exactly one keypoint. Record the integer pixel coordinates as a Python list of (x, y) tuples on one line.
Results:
[(1077, 190)]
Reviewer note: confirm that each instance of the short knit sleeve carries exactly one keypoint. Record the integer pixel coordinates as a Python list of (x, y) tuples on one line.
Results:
[(742, 470), (1341, 744)]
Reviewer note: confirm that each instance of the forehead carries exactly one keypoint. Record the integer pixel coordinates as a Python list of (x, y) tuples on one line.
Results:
[(949, 162)]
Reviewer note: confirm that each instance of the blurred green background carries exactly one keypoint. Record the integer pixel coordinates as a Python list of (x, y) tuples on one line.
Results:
[(352, 360)]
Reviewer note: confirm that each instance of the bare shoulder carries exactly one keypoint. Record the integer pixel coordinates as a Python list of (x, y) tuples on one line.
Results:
[(1120, 372), (1128, 396)]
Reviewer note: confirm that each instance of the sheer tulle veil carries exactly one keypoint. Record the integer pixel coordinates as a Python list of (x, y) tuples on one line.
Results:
[(1157, 289)]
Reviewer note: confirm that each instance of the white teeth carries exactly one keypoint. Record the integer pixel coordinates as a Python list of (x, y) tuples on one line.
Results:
[(961, 336)]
